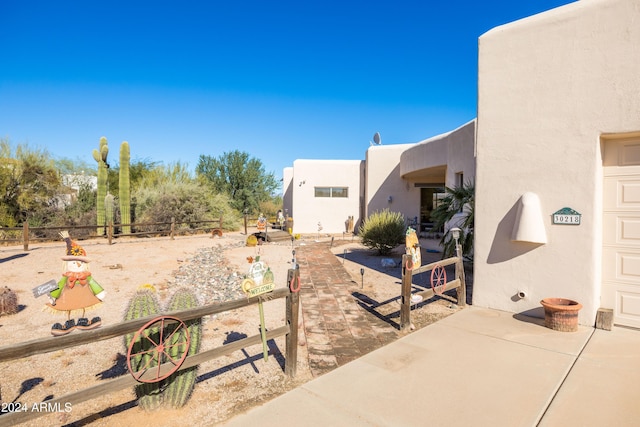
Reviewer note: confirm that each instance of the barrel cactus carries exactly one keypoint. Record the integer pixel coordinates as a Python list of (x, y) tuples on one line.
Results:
[(144, 303), (252, 240), (8, 301), (180, 385)]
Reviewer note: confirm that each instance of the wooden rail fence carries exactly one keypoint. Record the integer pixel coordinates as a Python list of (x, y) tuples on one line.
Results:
[(30, 234), (407, 283), (47, 345)]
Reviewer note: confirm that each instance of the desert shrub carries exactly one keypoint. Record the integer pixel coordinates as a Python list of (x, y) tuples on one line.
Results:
[(383, 231), (186, 202)]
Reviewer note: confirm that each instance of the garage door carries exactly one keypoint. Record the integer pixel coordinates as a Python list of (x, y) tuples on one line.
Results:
[(621, 231)]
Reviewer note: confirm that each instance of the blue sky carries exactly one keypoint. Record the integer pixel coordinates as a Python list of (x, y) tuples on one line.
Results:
[(280, 80)]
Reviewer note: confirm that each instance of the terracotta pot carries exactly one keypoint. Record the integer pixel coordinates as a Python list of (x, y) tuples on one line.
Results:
[(561, 314)]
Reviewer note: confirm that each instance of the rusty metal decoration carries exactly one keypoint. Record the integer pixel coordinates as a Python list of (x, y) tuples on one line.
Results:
[(161, 340), (438, 279)]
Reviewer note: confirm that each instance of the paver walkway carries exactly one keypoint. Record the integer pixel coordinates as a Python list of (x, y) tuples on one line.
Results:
[(337, 329)]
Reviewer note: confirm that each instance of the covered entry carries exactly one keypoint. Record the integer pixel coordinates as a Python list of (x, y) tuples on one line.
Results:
[(430, 196), (621, 229)]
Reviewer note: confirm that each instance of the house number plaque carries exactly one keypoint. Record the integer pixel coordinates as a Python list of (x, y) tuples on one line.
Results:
[(566, 216)]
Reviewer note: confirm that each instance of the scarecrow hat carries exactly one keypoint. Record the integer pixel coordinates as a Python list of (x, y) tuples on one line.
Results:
[(75, 252)]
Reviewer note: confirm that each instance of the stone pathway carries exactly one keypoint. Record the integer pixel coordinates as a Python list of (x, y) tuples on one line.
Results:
[(338, 330)]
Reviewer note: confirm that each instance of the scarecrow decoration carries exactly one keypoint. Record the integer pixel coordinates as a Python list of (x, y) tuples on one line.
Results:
[(412, 247), (262, 223), (76, 290)]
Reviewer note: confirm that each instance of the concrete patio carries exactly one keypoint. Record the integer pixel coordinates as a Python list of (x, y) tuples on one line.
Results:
[(477, 367)]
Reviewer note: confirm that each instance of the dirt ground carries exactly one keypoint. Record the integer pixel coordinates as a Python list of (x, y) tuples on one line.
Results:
[(225, 386)]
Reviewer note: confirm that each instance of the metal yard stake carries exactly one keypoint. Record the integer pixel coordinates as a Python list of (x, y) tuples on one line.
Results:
[(263, 332)]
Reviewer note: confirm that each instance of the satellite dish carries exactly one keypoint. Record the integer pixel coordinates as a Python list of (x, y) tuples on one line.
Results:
[(376, 138)]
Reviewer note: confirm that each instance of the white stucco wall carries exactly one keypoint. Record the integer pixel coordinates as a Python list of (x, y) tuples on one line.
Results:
[(287, 190), (548, 87), (332, 213), (383, 181), (453, 151), (461, 154)]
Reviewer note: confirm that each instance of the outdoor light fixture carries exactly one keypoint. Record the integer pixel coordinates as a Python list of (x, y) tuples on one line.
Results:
[(455, 232), (529, 223), (362, 274)]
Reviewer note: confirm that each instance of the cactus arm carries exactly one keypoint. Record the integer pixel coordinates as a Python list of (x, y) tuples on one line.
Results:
[(144, 303), (181, 384)]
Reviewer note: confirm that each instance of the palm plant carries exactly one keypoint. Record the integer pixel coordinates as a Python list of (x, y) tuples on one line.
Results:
[(459, 202)]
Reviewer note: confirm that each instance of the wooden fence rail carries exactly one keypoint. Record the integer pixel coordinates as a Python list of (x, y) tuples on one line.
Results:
[(29, 234), (46, 345), (407, 282)]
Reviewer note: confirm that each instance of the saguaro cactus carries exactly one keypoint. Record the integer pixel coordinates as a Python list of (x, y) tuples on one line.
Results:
[(144, 303), (100, 156), (181, 384), (124, 183)]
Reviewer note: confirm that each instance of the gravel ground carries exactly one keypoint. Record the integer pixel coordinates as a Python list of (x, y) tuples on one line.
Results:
[(214, 268)]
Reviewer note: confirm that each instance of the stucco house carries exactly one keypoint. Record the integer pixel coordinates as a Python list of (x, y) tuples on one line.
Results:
[(559, 118), (405, 178), (555, 156)]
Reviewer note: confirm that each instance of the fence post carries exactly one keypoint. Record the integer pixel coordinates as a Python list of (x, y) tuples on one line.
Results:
[(462, 289), (291, 342), (110, 231), (405, 300), (245, 222), (25, 236), (173, 227)]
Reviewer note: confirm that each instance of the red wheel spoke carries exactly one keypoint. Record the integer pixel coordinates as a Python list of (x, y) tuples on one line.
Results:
[(438, 279), (172, 334), (143, 352), (148, 337), (161, 331), (171, 359)]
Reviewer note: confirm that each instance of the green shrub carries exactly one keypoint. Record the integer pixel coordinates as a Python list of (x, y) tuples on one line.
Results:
[(383, 231)]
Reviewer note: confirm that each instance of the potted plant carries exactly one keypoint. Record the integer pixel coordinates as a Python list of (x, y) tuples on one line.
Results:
[(561, 314)]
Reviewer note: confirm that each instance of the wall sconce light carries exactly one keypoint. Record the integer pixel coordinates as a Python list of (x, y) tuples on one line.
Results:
[(301, 183), (529, 224), (390, 199)]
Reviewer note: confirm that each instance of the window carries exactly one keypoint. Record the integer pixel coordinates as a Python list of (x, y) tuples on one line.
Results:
[(332, 192)]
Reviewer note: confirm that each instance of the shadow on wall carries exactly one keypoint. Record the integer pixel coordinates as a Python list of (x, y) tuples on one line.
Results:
[(394, 194), (503, 248)]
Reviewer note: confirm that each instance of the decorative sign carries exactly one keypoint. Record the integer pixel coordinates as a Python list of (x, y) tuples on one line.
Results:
[(249, 287), (566, 216), (260, 280), (38, 291)]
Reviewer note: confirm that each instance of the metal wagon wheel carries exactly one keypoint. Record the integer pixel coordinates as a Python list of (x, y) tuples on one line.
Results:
[(163, 339), (438, 279)]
